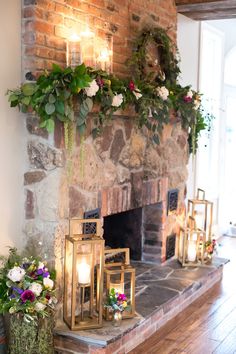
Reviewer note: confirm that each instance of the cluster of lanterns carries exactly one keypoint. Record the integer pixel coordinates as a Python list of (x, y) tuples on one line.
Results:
[(88, 265), (86, 274), (198, 231)]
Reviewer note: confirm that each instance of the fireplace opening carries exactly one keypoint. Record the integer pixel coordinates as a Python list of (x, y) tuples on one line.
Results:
[(125, 230)]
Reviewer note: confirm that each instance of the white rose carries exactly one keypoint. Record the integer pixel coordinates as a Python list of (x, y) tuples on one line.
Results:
[(92, 89), (196, 104), (117, 100), (48, 283), (36, 288), (190, 94), (39, 306), (41, 265), (163, 92), (137, 94), (16, 274)]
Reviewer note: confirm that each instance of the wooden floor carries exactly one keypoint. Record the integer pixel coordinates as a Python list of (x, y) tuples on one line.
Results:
[(209, 324)]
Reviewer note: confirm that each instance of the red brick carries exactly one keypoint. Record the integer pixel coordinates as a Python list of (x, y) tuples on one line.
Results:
[(44, 27), (54, 18), (56, 43)]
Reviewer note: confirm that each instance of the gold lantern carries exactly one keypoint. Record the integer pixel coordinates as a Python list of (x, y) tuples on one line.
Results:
[(202, 211), (83, 278), (74, 53), (121, 277), (191, 245), (104, 53)]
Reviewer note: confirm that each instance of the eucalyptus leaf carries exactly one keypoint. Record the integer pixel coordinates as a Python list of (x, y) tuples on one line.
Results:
[(50, 108), (60, 107), (50, 125), (29, 88), (51, 98)]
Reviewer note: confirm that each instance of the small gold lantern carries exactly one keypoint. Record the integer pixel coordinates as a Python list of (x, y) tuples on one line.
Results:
[(191, 245), (202, 211), (83, 278), (121, 277)]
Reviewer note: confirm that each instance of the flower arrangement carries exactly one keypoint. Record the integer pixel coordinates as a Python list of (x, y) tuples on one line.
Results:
[(54, 95), (116, 301), (26, 287), (211, 247)]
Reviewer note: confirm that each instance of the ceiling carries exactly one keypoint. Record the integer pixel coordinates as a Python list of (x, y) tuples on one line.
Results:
[(207, 9)]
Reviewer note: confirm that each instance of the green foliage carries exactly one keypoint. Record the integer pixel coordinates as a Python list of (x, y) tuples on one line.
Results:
[(62, 94)]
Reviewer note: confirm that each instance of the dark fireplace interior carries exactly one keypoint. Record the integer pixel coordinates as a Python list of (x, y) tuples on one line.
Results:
[(125, 230)]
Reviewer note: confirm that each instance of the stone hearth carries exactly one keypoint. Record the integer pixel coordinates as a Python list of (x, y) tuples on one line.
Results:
[(161, 293)]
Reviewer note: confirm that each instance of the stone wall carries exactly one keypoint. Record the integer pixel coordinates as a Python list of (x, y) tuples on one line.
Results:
[(120, 162)]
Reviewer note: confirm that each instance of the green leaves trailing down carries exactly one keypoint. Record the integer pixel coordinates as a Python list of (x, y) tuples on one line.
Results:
[(56, 95)]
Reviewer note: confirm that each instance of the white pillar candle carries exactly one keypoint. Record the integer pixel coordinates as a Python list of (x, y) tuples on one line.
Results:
[(84, 272), (192, 252)]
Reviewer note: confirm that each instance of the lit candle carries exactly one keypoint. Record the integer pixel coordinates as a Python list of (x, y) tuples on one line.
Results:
[(74, 57), (192, 252), (83, 271)]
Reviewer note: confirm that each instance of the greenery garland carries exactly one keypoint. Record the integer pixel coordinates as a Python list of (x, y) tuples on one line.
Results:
[(56, 95)]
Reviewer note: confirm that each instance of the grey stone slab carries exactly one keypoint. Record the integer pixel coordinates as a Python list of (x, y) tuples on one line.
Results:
[(153, 297), (179, 285)]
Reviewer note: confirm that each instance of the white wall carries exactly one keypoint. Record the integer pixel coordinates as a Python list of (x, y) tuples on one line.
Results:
[(188, 42), (12, 143)]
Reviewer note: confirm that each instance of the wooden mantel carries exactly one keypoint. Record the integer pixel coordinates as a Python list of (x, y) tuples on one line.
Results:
[(207, 9)]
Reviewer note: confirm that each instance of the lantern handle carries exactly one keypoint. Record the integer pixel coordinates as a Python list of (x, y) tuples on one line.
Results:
[(199, 191)]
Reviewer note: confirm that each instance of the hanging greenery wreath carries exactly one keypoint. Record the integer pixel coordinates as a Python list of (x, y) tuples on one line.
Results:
[(153, 90), (154, 57)]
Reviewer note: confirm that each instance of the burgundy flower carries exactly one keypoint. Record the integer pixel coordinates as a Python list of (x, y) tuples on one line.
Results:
[(187, 99), (48, 297), (121, 297), (100, 82), (131, 86), (27, 295)]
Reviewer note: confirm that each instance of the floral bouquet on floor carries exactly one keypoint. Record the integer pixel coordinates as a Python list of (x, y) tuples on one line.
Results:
[(210, 248), (28, 296)]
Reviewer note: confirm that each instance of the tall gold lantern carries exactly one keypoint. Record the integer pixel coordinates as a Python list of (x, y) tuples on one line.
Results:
[(83, 278), (202, 211), (191, 245), (121, 277)]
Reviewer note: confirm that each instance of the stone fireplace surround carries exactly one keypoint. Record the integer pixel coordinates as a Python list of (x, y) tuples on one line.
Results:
[(119, 170)]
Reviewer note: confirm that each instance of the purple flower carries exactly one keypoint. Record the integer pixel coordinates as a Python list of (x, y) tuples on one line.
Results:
[(46, 274), (12, 296), (27, 295), (39, 271), (18, 290)]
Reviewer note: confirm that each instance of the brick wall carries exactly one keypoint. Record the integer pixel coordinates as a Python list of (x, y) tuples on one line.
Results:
[(47, 24)]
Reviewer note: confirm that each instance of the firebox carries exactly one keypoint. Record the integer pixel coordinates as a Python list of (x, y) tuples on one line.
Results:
[(138, 229), (125, 230)]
